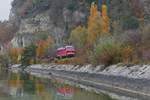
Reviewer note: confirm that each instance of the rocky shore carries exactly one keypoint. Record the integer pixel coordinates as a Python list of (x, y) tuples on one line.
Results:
[(131, 81)]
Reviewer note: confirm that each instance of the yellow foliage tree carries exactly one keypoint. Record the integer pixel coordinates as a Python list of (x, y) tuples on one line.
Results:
[(15, 54), (105, 20), (94, 24), (40, 48)]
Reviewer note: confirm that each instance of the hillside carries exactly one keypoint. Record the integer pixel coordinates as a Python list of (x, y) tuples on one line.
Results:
[(48, 16), (100, 45), (39, 27), (59, 17)]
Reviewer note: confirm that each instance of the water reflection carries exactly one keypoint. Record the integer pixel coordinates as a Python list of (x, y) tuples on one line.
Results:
[(27, 87), (15, 86)]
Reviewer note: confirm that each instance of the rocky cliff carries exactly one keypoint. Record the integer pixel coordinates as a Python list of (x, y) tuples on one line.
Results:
[(56, 17), (59, 17)]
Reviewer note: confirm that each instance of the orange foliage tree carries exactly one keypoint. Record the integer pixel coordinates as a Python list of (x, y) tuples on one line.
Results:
[(127, 54), (105, 20), (15, 54), (42, 45), (98, 25)]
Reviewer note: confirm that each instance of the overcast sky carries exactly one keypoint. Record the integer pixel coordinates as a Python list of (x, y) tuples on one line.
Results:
[(5, 7)]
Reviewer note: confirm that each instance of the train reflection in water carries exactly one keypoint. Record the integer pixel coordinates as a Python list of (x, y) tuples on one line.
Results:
[(27, 87)]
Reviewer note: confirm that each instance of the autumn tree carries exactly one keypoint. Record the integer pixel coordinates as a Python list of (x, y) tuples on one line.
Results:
[(94, 24), (42, 45), (78, 37), (105, 20), (15, 54)]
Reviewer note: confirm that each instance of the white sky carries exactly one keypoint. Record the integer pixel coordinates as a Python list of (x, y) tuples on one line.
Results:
[(5, 7)]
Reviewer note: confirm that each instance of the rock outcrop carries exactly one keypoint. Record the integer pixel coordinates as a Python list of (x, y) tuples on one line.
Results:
[(59, 17), (56, 19)]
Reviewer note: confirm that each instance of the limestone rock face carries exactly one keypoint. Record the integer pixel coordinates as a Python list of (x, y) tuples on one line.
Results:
[(59, 17), (22, 40), (56, 20), (40, 22)]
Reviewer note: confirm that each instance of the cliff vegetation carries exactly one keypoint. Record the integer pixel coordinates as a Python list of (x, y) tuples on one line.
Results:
[(105, 32)]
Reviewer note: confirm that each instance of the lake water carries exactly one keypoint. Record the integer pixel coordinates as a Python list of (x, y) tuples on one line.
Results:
[(27, 87)]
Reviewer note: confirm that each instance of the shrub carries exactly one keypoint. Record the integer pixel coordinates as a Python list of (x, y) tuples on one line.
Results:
[(146, 35), (107, 51), (146, 55), (43, 46), (130, 22), (133, 38), (68, 61), (139, 42), (127, 54)]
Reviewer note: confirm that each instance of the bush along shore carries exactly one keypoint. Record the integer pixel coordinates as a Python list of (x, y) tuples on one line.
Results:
[(124, 80)]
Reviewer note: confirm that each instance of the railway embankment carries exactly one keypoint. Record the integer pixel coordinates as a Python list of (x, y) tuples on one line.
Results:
[(120, 80)]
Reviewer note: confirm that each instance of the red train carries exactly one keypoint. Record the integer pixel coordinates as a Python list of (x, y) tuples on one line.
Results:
[(66, 52)]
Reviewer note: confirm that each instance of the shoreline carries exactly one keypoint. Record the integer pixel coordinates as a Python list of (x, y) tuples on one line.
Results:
[(117, 86)]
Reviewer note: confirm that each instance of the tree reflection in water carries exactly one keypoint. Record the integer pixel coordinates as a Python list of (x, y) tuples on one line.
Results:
[(22, 86)]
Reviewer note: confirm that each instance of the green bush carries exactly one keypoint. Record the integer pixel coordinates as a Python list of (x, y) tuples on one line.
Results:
[(107, 51), (130, 22)]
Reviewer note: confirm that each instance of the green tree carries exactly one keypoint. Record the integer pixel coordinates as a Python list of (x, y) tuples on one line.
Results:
[(29, 55), (78, 37)]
